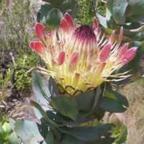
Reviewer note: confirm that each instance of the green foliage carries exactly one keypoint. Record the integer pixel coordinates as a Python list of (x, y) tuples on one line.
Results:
[(135, 9), (69, 117), (118, 10), (14, 38), (22, 71), (7, 135), (27, 131), (86, 105), (16, 21), (49, 15), (123, 12), (51, 12), (90, 134), (120, 132), (64, 5), (4, 84), (86, 11), (17, 132), (39, 86), (67, 106), (113, 102), (18, 74)]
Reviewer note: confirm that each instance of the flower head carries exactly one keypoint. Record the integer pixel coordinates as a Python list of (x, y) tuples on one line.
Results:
[(81, 56)]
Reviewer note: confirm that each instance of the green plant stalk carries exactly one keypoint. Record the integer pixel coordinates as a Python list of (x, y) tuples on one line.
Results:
[(86, 11)]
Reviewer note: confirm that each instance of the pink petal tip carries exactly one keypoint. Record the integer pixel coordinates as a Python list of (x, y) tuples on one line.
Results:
[(129, 55), (74, 58), (104, 54), (61, 58), (39, 29), (66, 22), (37, 46)]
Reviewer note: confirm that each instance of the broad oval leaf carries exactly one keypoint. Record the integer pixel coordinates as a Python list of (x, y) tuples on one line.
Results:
[(49, 138), (135, 9), (118, 9), (40, 87), (53, 88), (53, 17), (85, 100), (67, 106), (28, 132), (71, 140), (87, 134), (43, 12), (113, 102)]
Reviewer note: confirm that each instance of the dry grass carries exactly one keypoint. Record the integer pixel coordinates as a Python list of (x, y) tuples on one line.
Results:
[(16, 22), (134, 117)]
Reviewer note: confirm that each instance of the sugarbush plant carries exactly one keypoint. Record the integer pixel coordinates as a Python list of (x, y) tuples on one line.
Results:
[(79, 61), (84, 58)]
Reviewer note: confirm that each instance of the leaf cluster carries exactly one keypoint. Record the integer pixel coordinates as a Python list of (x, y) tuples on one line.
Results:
[(51, 12), (75, 119)]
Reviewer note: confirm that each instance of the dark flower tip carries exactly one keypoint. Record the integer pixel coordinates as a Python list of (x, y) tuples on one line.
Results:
[(85, 32)]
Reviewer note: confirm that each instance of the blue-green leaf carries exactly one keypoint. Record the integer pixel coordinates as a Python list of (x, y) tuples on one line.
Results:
[(113, 102), (67, 106), (118, 9), (89, 133), (27, 131)]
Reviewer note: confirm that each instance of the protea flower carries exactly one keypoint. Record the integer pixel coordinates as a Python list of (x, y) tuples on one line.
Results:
[(80, 56)]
